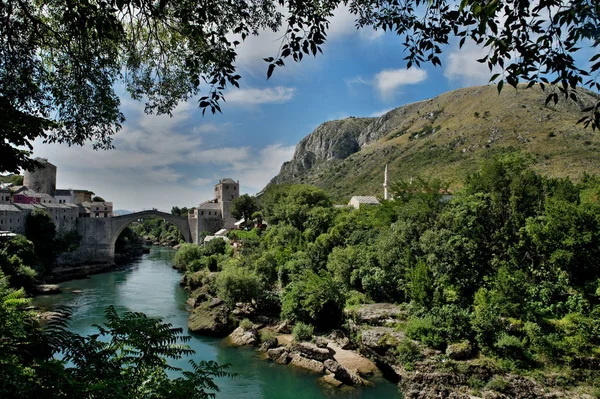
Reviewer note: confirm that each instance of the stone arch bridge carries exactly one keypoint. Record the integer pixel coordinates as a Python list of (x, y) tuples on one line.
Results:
[(99, 235)]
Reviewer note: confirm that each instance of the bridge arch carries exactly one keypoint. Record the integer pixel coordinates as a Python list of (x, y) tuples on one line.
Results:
[(120, 222)]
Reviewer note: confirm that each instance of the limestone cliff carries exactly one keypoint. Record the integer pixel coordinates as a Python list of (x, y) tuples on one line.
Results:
[(330, 141)]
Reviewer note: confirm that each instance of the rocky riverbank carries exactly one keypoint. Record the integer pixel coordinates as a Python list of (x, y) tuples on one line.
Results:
[(370, 343)]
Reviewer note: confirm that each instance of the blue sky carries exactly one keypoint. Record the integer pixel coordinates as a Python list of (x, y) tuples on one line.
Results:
[(161, 161)]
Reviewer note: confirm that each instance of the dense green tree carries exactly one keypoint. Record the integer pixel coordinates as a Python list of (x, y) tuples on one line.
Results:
[(186, 254), (292, 204), (98, 199), (41, 231), (244, 207), (238, 284), (313, 299)]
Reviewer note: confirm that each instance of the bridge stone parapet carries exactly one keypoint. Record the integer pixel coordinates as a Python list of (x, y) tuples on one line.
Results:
[(120, 222), (99, 235)]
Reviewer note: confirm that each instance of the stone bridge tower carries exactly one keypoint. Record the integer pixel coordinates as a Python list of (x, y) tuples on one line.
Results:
[(226, 190), (41, 179)]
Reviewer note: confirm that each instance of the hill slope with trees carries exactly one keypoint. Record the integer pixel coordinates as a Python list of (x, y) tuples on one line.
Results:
[(446, 137)]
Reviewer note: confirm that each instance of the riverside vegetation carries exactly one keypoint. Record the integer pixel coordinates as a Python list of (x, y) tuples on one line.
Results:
[(495, 291)]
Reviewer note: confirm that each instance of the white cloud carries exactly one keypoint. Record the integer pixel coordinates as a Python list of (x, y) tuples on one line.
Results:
[(250, 52), (202, 181), (254, 173), (209, 127), (269, 95), (369, 34), (342, 24), (161, 175), (462, 66), (222, 155), (356, 81), (388, 80)]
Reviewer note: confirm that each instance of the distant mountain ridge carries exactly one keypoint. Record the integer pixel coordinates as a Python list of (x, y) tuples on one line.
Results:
[(447, 137)]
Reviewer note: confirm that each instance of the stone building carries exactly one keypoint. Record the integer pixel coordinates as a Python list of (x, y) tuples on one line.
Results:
[(95, 209), (12, 219), (211, 216), (4, 195), (63, 196), (358, 201), (32, 197), (226, 191), (42, 179), (64, 216), (82, 196)]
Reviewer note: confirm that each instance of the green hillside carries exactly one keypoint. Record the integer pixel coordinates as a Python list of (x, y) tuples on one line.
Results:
[(449, 136)]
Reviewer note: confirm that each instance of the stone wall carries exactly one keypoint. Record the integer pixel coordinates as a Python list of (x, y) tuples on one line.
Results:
[(95, 246)]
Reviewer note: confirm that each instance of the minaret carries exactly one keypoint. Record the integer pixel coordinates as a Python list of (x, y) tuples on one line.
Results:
[(385, 184)]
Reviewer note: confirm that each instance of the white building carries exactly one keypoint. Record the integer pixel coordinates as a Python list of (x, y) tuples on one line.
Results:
[(63, 196), (359, 201)]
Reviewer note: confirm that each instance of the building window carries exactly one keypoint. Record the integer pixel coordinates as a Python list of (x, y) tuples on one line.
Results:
[(202, 213), (97, 208), (226, 187)]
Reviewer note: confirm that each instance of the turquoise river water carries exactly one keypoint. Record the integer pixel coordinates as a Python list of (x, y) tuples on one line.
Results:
[(151, 285)]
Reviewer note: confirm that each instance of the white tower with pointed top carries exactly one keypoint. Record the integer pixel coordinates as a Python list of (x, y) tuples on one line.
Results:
[(386, 195)]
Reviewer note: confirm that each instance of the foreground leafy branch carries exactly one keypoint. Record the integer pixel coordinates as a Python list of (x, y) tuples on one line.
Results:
[(127, 358), (61, 61)]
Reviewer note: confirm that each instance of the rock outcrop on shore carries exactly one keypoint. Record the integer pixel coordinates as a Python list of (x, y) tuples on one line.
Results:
[(211, 318)]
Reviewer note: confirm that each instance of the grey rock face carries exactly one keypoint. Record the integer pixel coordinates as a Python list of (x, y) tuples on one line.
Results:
[(460, 351), (380, 339), (377, 313), (343, 374), (308, 364), (276, 353), (331, 140), (312, 351), (268, 344), (211, 318), (241, 337)]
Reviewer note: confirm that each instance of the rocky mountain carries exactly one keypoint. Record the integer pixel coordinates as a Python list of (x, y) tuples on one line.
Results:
[(446, 137)]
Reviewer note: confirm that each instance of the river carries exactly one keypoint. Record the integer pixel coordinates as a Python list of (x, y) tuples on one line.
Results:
[(151, 285)]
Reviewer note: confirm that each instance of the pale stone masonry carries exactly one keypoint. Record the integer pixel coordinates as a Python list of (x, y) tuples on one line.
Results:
[(213, 215)]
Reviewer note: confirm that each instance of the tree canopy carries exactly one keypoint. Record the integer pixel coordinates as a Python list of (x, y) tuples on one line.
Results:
[(244, 207), (61, 61)]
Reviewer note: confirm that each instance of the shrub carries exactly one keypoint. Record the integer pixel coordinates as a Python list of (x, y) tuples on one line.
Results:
[(215, 247), (510, 347), (186, 254), (196, 265), (497, 384), (303, 332), (356, 298), (246, 324), (424, 330), (408, 352), (313, 299), (267, 334), (238, 284)]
